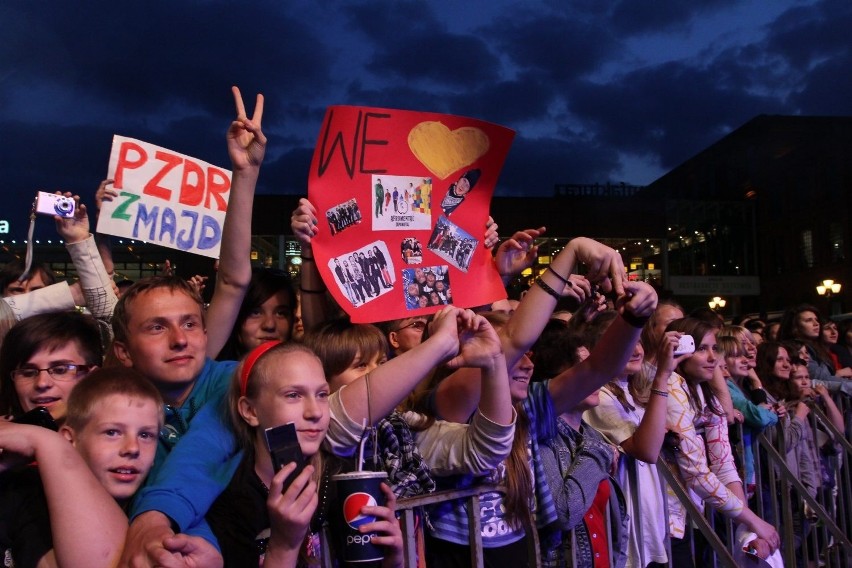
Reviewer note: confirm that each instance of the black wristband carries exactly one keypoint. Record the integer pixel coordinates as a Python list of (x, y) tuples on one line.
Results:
[(636, 321), (565, 280), (544, 286)]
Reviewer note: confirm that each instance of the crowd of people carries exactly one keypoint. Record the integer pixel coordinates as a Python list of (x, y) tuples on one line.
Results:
[(136, 429)]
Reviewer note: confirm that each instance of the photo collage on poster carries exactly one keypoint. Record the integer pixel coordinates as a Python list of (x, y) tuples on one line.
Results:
[(343, 216), (364, 274), (404, 203), (426, 287), (405, 196), (452, 243)]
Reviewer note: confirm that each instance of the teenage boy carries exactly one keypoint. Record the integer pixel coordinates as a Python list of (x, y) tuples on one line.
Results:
[(159, 331), (67, 511), (159, 323)]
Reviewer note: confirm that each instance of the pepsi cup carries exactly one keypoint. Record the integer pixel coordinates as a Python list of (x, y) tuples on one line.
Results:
[(356, 490)]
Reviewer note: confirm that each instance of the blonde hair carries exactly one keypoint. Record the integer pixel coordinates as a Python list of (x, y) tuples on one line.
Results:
[(259, 374), (88, 395)]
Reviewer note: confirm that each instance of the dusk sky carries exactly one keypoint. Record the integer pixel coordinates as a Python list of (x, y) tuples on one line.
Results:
[(597, 91)]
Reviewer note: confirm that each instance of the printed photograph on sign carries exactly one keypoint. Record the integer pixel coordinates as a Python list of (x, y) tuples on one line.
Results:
[(364, 274), (457, 192), (452, 243), (411, 250), (342, 216), (426, 287), (401, 203)]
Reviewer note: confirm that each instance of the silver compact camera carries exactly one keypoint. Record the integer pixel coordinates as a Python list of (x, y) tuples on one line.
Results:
[(52, 204)]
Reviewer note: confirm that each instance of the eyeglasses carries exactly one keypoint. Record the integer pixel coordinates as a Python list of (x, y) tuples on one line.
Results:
[(65, 372), (418, 325)]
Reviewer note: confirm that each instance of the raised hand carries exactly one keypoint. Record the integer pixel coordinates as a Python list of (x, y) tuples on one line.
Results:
[(303, 221), (104, 193), (639, 299), (604, 265), (246, 141), (198, 282), (518, 253), (594, 304), (490, 239), (479, 345), (579, 288), (73, 229), (667, 362)]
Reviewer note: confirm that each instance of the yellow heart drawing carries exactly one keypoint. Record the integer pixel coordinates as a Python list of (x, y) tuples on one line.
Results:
[(444, 151)]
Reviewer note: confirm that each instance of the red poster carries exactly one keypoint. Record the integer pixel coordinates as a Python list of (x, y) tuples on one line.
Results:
[(402, 199)]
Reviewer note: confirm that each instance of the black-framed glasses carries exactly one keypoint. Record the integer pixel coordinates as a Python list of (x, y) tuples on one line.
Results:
[(62, 372), (418, 325)]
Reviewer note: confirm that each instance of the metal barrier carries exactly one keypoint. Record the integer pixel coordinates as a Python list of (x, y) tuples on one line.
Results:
[(829, 541), (832, 535), (723, 554), (407, 508)]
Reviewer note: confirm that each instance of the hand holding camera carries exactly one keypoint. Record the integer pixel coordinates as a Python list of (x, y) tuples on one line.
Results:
[(73, 227), (55, 204)]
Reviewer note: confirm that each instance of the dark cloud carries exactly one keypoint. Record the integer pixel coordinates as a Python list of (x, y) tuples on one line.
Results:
[(635, 18), (565, 75), (140, 55), (535, 165), (557, 46), (806, 35), (409, 44), (671, 110)]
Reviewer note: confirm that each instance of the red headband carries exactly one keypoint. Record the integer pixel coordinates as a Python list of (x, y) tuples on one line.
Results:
[(251, 359)]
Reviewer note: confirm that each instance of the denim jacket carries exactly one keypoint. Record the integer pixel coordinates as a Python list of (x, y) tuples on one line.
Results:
[(575, 463)]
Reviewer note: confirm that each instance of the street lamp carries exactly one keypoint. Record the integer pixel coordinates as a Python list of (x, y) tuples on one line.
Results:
[(717, 302), (828, 288)]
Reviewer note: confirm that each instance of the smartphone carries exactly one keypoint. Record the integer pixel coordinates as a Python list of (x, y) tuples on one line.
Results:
[(38, 416), (685, 345), (52, 204), (283, 445)]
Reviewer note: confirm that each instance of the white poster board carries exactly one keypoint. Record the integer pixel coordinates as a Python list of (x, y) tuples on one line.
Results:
[(165, 198)]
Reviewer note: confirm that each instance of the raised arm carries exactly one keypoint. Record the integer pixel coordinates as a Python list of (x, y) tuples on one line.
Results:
[(104, 193), (516, 253), (316, 305), (646, 441), (831, 410), (95, 281), (390, 383), (246, 148), (611, 353), (87, 525), (458, 394)]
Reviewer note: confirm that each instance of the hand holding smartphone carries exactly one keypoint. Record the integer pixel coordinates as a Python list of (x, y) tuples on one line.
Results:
[(283, 445), (685, 345)]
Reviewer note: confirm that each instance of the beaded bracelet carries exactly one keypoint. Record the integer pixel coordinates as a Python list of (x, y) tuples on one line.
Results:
[(544, 286), (659, 392), (565, 280)]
